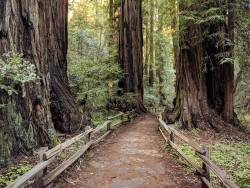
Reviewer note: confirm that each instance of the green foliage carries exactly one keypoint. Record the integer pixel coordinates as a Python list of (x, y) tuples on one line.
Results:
[(13, 173), (234, 157), (189, 151), (244, 117), (15, 71), (93, 70), (94, 81)]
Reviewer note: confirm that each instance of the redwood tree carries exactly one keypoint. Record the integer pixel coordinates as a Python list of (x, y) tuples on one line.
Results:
[(65, 113), (131, 42), (26, 121), (204, 84), (38, 30)]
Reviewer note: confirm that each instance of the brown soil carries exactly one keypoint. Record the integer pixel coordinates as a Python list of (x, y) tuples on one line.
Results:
[(133, 156), (211, 137)]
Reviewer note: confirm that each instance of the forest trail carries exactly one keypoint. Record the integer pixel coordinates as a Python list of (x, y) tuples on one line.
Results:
[(133, 156)]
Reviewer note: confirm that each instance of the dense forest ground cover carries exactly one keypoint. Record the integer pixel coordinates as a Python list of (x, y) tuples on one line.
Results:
[(230, 149)]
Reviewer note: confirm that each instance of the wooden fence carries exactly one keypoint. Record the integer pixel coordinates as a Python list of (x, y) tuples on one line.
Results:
[(203, 152), (40, 171)]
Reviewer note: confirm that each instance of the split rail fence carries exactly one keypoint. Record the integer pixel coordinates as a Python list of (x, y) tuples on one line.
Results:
[(40, 174), (203, 152)]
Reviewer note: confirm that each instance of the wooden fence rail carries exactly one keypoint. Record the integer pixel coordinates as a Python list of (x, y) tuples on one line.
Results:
[(202, 152), (39, 172)]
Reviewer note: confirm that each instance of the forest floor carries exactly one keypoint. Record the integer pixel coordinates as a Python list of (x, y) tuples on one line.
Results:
[(230, 149), (132, 156)]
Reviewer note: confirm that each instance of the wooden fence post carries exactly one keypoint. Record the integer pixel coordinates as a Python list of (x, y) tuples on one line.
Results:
[(109, 126), (172, 137), (88, 136), (122, 117), (205, 167), (39, 177)]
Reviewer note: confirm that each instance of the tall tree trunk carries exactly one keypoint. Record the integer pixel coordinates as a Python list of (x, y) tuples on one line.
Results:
[(220, 77), (65, 113), (26, 121), (111, 41), (111, 21), (131, 42), (146, 59), (228, 113), (151, 47), (160, 51), (203, 97), (38, 30), (241, 93), (111, 13), (191, 104), (175, 30)]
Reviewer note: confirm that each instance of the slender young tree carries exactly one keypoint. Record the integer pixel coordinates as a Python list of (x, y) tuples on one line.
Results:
[(146, 52), (131, 42), (151, 44), (161, 51)]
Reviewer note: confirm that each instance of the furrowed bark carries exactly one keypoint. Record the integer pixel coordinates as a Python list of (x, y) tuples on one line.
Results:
[(38, 30), (65, 113), (131, 41), (204, 86), (25, 121)]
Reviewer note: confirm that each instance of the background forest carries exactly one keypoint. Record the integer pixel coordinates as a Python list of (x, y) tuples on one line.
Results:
[(94, 71), (79, 76)]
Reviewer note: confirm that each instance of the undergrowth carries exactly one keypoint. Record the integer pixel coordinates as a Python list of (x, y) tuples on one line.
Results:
[(233, 157), (13, 173), (244, 117)]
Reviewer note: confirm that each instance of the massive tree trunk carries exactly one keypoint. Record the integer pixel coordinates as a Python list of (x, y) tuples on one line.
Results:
[(131, 42), (242, 81), (26, 121), (38, 30), (204, 86), (191, 103), (220, 76), (65, 113)]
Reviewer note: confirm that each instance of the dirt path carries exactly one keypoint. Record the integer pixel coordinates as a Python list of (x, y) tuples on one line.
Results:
[(132, 157)]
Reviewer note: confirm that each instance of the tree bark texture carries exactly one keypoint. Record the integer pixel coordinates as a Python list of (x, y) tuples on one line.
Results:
[(38, 30), (241, 93), (26, 121), (204, 86), (65, 113), (131, 42)]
